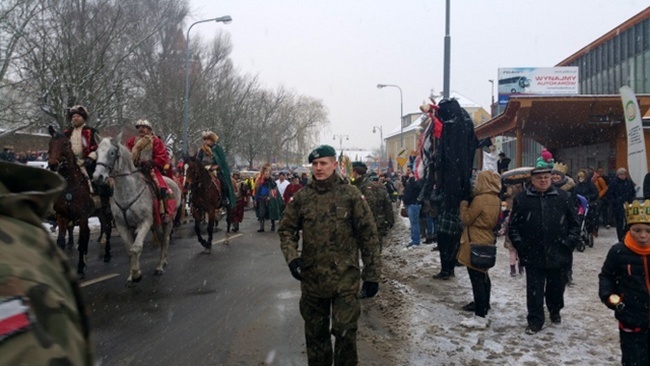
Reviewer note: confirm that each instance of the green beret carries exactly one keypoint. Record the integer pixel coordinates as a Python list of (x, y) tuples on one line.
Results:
[(359, 163), (321, 151)]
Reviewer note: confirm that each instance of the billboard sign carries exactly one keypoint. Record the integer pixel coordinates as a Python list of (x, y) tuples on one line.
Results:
[(537, 80)]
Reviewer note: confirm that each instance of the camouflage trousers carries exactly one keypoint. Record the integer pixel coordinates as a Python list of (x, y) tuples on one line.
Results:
[(345, 311)]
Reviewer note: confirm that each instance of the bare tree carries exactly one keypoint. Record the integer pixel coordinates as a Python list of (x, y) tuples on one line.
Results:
[(80, 52), (15, 17)]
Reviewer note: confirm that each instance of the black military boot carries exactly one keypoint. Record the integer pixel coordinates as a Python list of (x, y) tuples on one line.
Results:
[(261, 229), (272, 225)]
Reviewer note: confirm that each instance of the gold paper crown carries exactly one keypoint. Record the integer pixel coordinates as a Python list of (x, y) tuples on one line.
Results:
[(638, 212), (560, 167)]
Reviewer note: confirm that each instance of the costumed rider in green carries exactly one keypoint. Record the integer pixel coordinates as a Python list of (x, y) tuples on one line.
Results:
[(211, 150)]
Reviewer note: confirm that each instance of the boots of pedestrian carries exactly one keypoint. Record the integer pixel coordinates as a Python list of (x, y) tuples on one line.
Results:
[(272, 225), (261, 229), (513, 270), (521, 269), (235, 227)]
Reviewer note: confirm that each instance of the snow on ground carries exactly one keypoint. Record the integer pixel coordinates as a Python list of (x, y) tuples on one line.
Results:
[(415, 319)]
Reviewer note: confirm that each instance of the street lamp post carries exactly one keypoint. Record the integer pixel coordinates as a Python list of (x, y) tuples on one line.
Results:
[(186, 100), (492, 91), (341, 136), (381, 144), (401, 111)]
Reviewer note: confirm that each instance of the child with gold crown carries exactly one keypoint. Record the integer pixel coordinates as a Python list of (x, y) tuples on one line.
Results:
[(623, 285)]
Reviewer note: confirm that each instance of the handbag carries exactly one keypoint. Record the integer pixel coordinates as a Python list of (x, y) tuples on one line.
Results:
[(402, 211), (482, 256)]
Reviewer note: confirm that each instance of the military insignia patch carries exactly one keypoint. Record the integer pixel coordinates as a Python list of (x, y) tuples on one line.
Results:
[(14, 317)]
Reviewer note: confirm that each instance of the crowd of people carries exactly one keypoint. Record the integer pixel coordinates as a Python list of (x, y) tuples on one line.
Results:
[(327, 223)]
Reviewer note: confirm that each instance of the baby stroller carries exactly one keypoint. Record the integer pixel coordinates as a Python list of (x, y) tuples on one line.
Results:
[(586, 238)]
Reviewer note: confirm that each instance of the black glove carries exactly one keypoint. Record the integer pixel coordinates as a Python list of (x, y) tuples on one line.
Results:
[(369, 289), (295, 266)]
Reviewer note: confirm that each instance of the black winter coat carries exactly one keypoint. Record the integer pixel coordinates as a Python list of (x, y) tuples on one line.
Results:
[(412, 190), (619, 192), (624, 273), (544, 227), (587, 189)]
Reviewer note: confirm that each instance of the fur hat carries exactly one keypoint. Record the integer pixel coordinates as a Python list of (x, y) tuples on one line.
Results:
[(143, 122), (80, 110), (209, 135), (546, 155)]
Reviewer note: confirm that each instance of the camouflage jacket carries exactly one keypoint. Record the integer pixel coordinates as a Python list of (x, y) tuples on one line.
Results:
[(42, 316), (336, 224), (379, 201)]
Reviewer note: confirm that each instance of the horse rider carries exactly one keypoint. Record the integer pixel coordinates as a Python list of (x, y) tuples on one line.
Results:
[(83, 141), (150, 155), (212, 154)]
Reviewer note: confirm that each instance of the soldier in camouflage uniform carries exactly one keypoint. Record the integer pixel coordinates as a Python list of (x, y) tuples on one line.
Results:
[(377, 197), (42, 318), (336, 224)]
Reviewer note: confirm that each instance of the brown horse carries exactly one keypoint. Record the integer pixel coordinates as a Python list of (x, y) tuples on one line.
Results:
[(205, 198), (76, 205)]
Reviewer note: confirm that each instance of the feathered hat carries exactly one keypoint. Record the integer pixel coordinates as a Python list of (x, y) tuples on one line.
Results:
[(209, 135)]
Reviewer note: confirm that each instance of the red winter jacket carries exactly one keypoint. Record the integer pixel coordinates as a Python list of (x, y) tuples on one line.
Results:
[(159, 152)]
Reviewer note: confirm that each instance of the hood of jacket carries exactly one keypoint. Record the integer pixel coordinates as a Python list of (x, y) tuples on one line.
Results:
[(487, 181)]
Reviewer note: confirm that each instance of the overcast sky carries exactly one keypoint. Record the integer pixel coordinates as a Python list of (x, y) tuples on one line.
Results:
[(339, 50)]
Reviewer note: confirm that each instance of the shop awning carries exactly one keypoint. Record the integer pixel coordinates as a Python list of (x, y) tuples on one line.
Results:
[(561, 121)]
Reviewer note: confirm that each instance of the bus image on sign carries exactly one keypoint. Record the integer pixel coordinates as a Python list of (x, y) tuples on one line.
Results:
[(513, 85)]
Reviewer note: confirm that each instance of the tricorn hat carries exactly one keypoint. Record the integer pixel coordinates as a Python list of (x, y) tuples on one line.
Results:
[(209, 135), (80, 110), (143, 122)]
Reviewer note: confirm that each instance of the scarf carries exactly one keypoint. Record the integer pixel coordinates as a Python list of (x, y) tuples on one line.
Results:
[(632, 245)]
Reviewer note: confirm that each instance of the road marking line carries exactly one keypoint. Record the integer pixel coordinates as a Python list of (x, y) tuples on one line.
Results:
[(230, 237), (98, 279)]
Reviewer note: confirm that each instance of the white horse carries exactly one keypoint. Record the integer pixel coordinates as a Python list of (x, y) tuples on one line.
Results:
[(132, 203)]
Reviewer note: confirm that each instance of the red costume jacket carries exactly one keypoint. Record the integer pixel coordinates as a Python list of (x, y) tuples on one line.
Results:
[(88, 135), (158, 151)]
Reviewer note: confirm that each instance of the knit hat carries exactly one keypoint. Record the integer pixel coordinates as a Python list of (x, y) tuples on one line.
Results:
[(80, 110), (546, 155), (209, 135), (359, 164), (321, 151)]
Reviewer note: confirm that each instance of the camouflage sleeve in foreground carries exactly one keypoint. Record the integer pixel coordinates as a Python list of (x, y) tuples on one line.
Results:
[(289, 229), (41, 314), (368, 239)]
